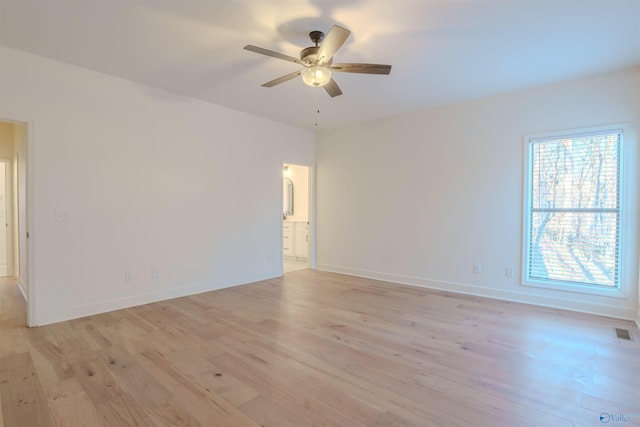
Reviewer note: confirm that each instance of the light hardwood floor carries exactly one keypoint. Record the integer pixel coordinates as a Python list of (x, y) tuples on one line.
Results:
[(318, 349), (292, 264)]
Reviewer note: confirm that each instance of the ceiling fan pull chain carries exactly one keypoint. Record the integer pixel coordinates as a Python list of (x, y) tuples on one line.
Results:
[(317, 108)]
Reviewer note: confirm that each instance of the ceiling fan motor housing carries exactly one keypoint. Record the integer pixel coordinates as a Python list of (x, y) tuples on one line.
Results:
[(309, 54)]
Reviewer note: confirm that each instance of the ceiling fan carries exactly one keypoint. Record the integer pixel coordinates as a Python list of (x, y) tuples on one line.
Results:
[(318, 61)]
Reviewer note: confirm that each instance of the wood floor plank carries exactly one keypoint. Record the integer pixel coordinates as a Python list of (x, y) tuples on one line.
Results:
[(202, 403), (23, 400), (229, 388), (49, 359), (317, 349), (123, 411), (139, 383), (70, 405)]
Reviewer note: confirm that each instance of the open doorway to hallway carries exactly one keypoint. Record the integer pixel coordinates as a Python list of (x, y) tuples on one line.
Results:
[(13, 213), (296, 217)]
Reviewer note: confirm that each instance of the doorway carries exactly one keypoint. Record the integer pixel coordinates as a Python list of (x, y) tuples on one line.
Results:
[(13, 206), (6, 244), (296, 217)]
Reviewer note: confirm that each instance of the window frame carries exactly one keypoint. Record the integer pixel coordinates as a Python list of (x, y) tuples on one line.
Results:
[(614, 291)]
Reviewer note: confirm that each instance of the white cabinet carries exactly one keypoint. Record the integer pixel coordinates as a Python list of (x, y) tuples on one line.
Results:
[(295, 239), (288, 239), (302, 239)]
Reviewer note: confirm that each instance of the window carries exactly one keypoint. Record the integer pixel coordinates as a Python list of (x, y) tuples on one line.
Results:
[(572, 210)]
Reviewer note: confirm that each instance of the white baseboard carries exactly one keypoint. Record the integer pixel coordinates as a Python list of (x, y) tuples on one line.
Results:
[(23, 290), (601, 309), (69, 313)]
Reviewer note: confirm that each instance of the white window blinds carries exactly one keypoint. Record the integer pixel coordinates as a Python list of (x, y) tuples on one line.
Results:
[(573, 234)]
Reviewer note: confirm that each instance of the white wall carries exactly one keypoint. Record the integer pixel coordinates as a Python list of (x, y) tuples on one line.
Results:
[(149, 179), (422, 197)]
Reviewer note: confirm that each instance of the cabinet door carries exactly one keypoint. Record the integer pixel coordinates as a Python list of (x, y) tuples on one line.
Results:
[(288, 246), (302, 240), (288, 241)]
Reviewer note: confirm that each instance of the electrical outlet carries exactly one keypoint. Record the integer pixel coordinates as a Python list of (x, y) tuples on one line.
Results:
[(62, 215), (155, 273), (508, 272), (477, 268), (128, 276)]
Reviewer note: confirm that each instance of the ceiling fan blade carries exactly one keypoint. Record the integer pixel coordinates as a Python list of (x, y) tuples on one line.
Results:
[(332, 88), (332, 42), (362, 68), (282, 79), (273, 54)]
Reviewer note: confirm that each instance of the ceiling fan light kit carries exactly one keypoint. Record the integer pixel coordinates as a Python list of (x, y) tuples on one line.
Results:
[(318, 61), (316, 76)]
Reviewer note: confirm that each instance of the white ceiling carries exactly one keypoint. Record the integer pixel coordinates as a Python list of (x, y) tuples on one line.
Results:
[(442, 51)]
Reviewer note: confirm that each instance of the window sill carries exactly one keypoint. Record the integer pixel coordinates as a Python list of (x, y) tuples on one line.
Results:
[(575, 288)]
